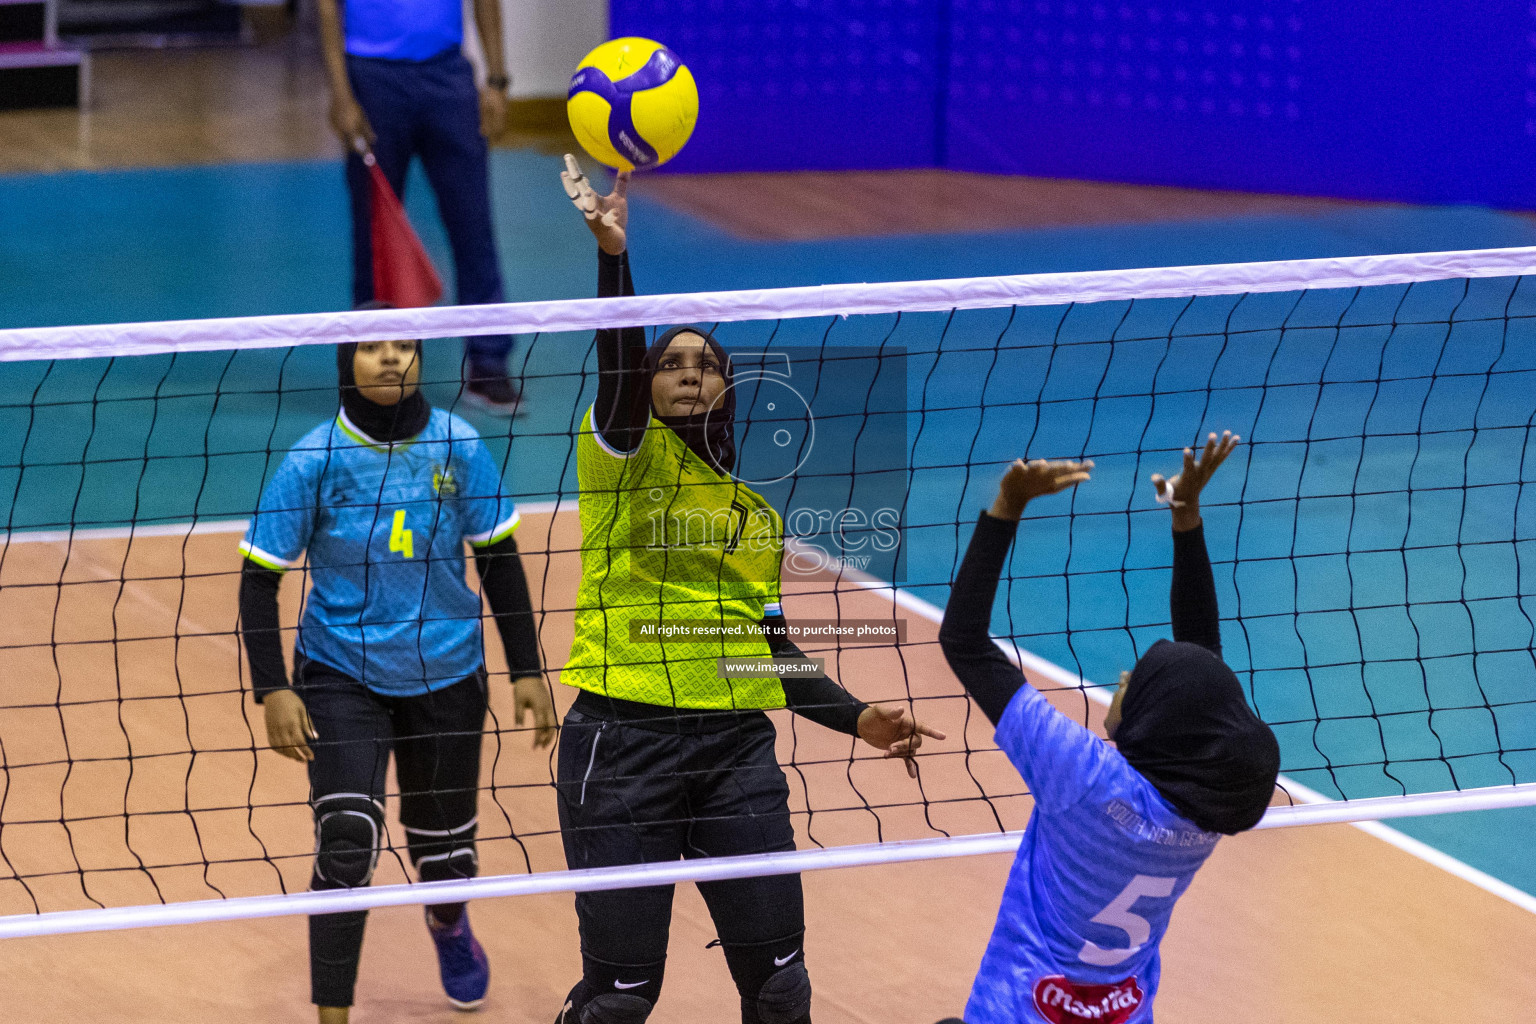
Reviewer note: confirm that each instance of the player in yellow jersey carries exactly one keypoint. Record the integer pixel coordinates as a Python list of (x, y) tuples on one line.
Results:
[(660, 757)]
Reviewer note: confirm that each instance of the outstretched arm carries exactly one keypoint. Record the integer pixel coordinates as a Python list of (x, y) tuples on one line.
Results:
[(623, 407), (822, 700), (819, 699), (985, 672), (1192, 606), (1058, 758)]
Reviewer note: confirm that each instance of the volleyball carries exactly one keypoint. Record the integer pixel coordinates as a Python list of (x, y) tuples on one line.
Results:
[(632, 103)]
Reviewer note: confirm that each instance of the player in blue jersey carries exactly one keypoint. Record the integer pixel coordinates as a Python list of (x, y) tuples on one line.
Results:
[(1117, 832), (389, 655)]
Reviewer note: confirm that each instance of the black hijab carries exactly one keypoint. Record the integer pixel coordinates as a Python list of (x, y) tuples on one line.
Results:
[(384, 423), (1186, 726), (711, 435)]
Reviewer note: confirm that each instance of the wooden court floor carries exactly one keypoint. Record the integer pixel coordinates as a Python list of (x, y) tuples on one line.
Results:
[(1297, 925)]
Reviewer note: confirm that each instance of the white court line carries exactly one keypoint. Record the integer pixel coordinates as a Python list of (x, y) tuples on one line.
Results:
[(1423, 851), (122, 532)]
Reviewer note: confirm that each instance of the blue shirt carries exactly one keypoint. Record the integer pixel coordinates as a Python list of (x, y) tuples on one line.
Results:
[(385, 526), (402, 29), (1102, 862)]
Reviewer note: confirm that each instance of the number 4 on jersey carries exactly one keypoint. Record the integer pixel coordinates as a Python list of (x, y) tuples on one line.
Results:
[(1118, 915), (400, 538)]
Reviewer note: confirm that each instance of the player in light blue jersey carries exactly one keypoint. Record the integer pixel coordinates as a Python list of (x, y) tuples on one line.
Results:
[(389, 655), (1117, 832)]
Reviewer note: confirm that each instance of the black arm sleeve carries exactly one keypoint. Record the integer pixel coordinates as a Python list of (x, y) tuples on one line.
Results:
[(985, 672), (261, 630), (1192, 597), (506, 589), (820, 699), (622, 409)]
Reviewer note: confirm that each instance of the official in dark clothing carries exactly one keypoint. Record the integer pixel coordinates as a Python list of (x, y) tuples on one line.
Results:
[(401, 85)]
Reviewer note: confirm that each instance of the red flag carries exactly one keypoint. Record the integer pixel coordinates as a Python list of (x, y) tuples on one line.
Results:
[(403, 275)]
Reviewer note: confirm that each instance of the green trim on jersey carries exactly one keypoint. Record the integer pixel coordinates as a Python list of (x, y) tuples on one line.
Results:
[(265, 559), (346, 427), (666, 538), (500, 534)]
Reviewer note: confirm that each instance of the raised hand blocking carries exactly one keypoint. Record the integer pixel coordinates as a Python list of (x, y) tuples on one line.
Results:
[(1026, 481), (607, 216), (1182, 492)]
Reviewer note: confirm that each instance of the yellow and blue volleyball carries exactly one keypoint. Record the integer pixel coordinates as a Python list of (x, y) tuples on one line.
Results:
[(632, 103)]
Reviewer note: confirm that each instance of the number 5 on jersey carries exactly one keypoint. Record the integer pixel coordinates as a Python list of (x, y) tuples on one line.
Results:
[(1118, 915), (400, 538)]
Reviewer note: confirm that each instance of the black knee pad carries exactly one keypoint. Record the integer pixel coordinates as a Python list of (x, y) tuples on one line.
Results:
[(348, 828), (587, 1004), (442, 854), (615, 1008), (611, 993), (786, 996), (771, 977)]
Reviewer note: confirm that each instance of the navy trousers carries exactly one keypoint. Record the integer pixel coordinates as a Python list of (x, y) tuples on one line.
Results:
[(430, 109)]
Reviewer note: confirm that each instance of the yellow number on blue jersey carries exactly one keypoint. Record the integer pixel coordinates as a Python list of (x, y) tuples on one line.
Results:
[(399, 537)]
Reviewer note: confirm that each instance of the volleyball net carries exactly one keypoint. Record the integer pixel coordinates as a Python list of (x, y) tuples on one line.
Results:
[(1372, 539)]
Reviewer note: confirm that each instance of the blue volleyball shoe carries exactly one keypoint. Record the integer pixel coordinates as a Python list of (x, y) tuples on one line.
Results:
[(461, 962)]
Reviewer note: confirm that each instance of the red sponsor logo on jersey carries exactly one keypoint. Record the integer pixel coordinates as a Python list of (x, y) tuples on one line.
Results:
[(1069, 1002)]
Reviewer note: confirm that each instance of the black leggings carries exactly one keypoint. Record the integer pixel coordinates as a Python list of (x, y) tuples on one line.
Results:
[(436, 739), (630, 795)]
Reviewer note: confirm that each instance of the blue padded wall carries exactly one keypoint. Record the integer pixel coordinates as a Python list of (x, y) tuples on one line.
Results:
[(802, 84), (1380, 99), (1423, 101)]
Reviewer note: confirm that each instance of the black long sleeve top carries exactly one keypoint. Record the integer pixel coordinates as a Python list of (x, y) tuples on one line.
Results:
[(501, 577), (506, 590), (982, 668), (622, 410), (621, 413), (1192, 595), (819, 699), (260, 628)]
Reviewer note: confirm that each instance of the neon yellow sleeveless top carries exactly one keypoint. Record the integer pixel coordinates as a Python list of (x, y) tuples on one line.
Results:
[(678, 564)]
